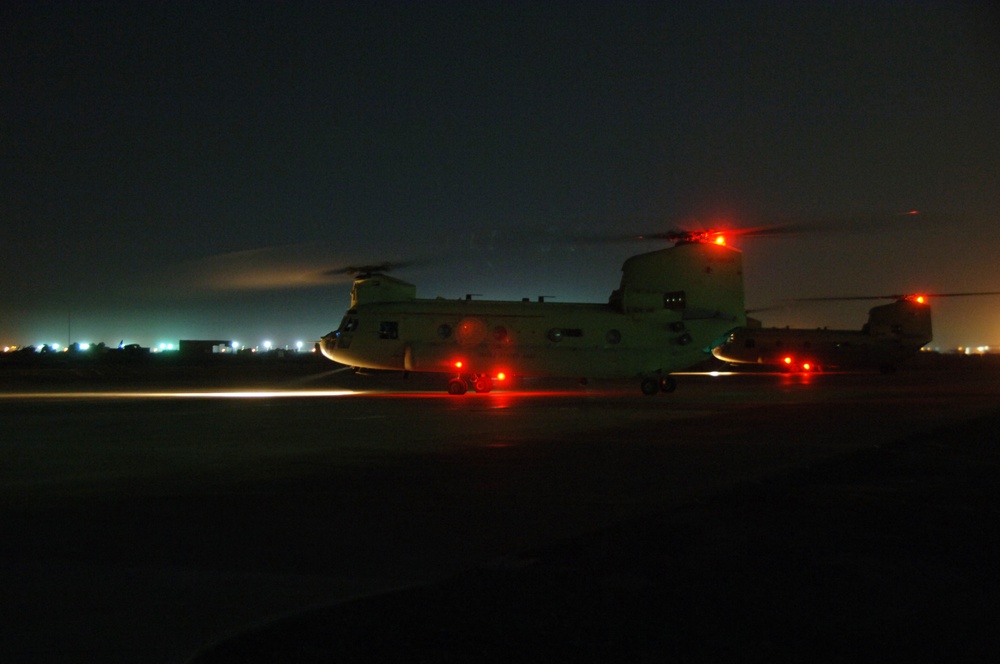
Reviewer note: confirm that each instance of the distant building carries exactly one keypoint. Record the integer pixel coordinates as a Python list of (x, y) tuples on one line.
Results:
[(203, 346)]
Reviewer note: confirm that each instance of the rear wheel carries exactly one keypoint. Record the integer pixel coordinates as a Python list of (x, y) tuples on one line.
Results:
[(668, 384), (483, 384), (457, 386)]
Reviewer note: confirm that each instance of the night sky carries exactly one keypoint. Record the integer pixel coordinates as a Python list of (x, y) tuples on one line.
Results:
[(189, 170)]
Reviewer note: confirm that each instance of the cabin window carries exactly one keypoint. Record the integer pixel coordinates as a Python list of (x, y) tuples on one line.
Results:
[(348, 324), (750, 343), (500, 333), (674, 300), (557, 333), (388, 330), (444, 330)]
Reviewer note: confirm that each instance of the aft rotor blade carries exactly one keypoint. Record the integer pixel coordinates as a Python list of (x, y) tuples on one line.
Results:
[(894, 296), (962, 294), (695, 230)]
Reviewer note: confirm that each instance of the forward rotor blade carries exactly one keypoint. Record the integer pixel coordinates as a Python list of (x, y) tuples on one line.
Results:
[(280, 267), (384, 266)]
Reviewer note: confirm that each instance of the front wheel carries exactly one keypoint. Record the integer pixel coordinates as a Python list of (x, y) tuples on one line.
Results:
[(649, 386), (457, 386), (668, 384)]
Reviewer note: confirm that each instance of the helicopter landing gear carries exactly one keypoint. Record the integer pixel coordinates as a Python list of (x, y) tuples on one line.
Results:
[(481, 383), (650, 385)]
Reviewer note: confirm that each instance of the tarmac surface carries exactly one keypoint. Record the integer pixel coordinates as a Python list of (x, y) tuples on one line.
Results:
[(305, 515)]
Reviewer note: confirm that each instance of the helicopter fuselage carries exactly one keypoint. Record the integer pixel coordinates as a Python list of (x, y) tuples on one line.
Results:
[(533, 338)]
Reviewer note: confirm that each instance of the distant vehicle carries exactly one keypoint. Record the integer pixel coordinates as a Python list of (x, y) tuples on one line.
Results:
[(670, 309), (893, 333)]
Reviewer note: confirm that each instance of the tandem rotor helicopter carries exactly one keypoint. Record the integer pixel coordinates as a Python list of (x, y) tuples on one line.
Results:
[(893, 332), (670, 309)]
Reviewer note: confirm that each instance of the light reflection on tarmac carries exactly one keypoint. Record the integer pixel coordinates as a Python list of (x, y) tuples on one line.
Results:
[(298, 393), (234, 394), (141, 525)]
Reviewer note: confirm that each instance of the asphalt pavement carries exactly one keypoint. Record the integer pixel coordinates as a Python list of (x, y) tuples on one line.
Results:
[(329, 517)]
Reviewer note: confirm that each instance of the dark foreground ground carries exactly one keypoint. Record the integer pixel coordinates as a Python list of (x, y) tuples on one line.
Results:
[(747, 518), (888, 555)]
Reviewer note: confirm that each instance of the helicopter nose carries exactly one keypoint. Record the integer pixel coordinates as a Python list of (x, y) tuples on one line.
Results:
[(327, 345)]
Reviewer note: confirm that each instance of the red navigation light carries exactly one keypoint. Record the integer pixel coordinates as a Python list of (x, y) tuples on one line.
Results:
[(720, 239), (501, 376), (458, 364), (788, 360), (920, 299), (806, 366)]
